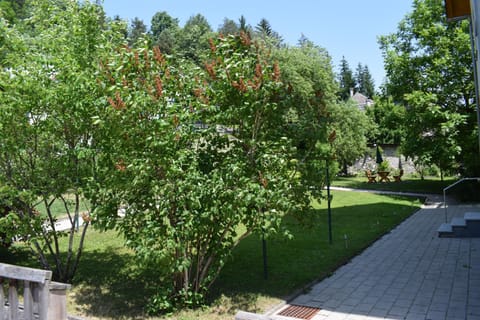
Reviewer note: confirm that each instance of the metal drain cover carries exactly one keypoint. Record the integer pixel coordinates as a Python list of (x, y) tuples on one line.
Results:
[(299, 312)]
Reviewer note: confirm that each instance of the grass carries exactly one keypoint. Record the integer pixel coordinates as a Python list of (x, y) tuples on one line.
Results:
[(58, 207), (430, 185), (110, 285)]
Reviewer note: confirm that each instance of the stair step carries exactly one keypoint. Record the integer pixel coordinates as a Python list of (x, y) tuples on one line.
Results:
[(472, 216), (445, 230), (458, 222), (445, 227)]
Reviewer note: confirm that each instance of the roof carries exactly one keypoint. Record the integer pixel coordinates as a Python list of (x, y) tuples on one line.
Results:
[(362, 101)]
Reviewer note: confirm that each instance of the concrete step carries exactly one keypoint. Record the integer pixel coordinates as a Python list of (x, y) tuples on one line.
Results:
[(473, 223), (445, 230), (458, 222), (461, 227), (472, 216)]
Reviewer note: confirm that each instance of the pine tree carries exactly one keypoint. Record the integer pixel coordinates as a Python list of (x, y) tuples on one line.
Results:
[(364, 81), (228, 27), (369, 84), (138, 29), (345, 79), (265, 31)]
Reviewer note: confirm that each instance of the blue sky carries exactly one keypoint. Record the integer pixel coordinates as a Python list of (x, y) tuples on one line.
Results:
[(344, 27)]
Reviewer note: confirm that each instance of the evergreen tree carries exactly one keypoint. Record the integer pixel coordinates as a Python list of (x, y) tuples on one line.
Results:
[(164, 30), (228, 27), (138, 30), (121, 25), (345, 79), (264, 31), (304, 41), (242, 23), (244, 27), (364, 81), (369, 83)]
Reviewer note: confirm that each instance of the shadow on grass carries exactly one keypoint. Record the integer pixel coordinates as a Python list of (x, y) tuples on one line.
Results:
[(293, 265), (109, 283), (17, 255), (429, 186)]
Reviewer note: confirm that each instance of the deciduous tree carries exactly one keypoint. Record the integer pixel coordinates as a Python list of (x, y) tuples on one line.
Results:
[(193, 39), (352, 127), (45, 122), (200, 159), (430, 60)]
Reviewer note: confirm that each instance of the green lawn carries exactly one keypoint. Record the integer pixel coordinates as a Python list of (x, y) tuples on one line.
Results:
[(109, 285), (58, 207), (408, 184)]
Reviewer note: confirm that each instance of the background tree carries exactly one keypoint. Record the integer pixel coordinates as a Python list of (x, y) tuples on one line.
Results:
[(352, 127), (228, 27), (121, 24), (427, 55), (346, 80), (364, 81), (264, 31), (390, 120), (45, 122), (243, 26), (433, 133), (307, 70), (165, 32), (304, 41), (137, 30), (193, 40)]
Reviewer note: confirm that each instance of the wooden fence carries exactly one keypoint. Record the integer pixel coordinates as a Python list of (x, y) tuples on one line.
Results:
[(42, 298)]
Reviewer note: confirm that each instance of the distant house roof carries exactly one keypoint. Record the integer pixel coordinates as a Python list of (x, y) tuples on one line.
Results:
[(362, 101)]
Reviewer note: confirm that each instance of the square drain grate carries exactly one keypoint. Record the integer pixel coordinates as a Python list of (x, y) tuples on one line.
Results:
[(299, 312)]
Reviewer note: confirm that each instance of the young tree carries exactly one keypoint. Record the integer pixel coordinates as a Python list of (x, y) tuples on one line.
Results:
[(430, 56), (45, 122)]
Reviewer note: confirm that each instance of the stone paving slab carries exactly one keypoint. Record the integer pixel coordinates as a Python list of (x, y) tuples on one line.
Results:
[(409, 273)]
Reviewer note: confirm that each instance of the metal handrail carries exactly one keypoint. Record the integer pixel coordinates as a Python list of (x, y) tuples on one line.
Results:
[(451, 186)]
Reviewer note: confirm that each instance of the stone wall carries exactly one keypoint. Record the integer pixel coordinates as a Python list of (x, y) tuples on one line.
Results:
[(390, 153)]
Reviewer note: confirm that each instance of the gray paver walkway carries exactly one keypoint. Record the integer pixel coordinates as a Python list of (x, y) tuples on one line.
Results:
[(409, 273)]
